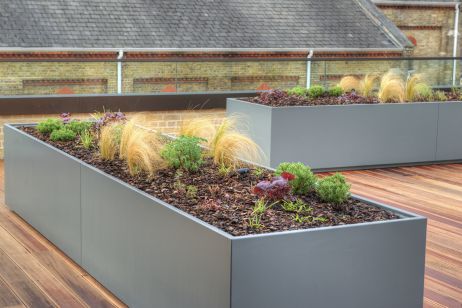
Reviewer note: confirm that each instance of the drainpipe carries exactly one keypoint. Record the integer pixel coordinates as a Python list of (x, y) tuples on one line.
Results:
[(119, 71), (456, 42), (308, 68)]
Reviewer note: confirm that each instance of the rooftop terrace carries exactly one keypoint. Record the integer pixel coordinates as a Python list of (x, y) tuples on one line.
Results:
[(35, 273)]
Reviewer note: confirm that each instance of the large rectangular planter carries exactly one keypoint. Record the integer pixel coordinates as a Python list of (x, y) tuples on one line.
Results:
[(354, 136), (150, 254)]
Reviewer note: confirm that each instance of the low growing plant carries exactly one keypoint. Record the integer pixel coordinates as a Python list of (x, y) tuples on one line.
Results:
[(440, 96), (258, 171), (223, 170), (296, 206), (191, 192), (78, 127), (298, 90), (62, 134), (316, 91), (184, 153), (333, 189), (423, 92), (49, 125), (254, 222), (277, 189), (335, 91), (304, 180), (86, 139), (310, 219)]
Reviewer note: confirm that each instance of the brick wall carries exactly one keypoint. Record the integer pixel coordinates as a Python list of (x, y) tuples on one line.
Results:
[(432, 27), (164, 121)]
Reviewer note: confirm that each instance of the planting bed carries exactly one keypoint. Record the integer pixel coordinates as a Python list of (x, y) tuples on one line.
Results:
[(200, 235), (224, 201)]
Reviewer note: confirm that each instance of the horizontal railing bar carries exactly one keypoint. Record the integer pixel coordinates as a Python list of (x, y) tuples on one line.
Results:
[(259, 59)]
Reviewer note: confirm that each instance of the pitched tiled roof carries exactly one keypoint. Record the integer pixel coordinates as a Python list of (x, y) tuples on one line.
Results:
[(196, 24)]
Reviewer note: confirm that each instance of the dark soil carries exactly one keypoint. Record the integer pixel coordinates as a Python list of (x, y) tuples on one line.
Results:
[(225, 202), (279, 98), (282, 99)]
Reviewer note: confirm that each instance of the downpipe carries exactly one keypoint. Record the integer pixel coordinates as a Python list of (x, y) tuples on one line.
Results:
[(456, 43), (308, 68), (120, 56)]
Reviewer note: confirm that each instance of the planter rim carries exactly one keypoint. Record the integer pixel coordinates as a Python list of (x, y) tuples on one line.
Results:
[(341, 106), (403, 214)]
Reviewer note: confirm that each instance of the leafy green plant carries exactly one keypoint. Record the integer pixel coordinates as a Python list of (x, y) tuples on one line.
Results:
[(296, 206), (258, 171), (335, 91), (62, 134), (86, 139), (191, 192), (304, 180), (49, 125), (316, 91), (184, 153), (310, 219), (78, 127), (254, 222), (333, 189), (260, 207), (298, 90), (224, 170)]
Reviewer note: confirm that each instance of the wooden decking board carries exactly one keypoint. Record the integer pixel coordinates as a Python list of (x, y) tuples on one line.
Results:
[(34, 273), (435, 192), (7, 297)]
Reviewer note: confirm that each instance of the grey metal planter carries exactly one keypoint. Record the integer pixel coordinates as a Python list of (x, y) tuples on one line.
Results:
[(355, 136), (151, 254)]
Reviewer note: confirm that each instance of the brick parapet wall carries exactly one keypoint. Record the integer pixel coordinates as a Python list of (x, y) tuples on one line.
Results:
[(163, 121)]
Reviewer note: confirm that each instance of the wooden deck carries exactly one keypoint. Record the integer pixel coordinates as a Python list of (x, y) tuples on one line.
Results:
[(34, 273), (436, 193)]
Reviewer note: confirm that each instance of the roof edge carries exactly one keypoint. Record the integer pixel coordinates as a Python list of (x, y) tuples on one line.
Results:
[(89, 49), (416, 3), (386, 25)]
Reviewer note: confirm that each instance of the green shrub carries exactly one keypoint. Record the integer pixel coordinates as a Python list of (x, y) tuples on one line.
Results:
[(316, 91), (298, 90), (49, 125), (78, 127), (333, 189), (63, 134), (304, 181), (335, 91), (184, 152)]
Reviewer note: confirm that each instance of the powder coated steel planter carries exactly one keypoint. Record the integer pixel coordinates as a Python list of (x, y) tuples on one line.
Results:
[(151, 254), (354, 136)]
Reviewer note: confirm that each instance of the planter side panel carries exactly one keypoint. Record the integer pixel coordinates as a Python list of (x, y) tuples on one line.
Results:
[(351, 136), (449, 132), (147, 254), (42, 185), (256, 121), (373, 265)]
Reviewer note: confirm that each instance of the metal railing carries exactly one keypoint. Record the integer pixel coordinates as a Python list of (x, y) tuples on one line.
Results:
[(42, 77)]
